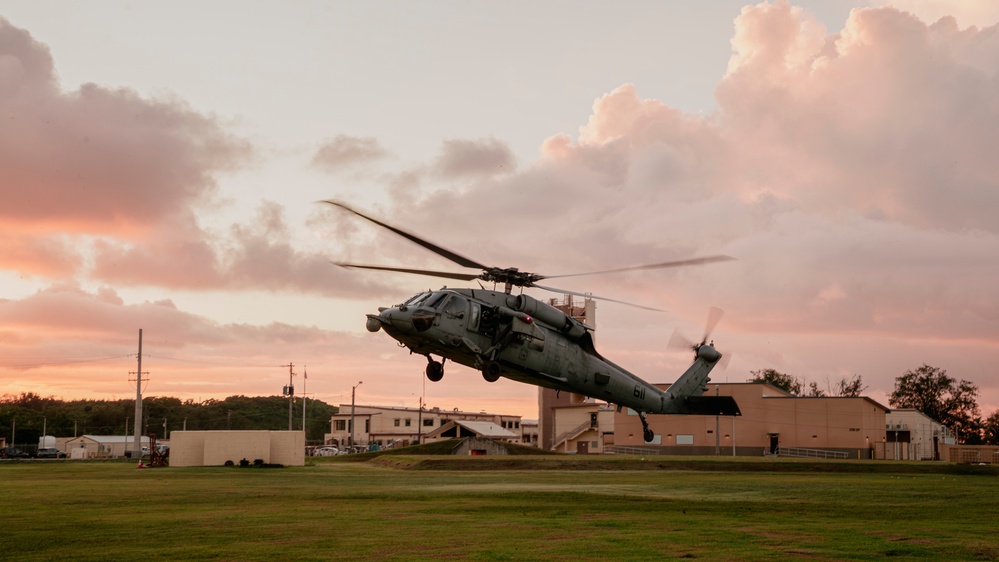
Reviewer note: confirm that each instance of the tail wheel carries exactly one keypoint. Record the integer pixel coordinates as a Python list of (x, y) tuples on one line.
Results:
[(435, 371), (491, 371), (649, 435)]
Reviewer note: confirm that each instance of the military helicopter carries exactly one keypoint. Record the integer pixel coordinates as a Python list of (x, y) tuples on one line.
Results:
[(521, 338)]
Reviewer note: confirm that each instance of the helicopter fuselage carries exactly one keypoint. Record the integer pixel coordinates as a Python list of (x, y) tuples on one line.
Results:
[(523, 339)]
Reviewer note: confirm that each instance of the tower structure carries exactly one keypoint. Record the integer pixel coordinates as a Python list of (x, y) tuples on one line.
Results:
[(549, 400)]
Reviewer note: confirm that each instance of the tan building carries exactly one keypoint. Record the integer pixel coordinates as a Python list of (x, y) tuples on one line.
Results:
[(583, 428), (101, 446), (387, 426), (215, 448), (460, 429), (912, 435), (772, 421), (549, 400), (529, 432)]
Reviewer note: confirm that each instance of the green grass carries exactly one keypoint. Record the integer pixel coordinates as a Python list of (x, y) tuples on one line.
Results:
[(529, 508)]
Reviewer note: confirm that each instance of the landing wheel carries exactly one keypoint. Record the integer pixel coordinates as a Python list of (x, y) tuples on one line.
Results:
[(491, 371), (435, 371), (646, 432)]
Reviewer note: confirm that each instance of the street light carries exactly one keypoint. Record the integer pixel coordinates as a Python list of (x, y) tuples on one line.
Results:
[(352, 392)]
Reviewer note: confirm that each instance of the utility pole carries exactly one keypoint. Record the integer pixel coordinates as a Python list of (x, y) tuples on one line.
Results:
[(305, 378), (352, 392), (717, 437), (137, 441), (290, 392)]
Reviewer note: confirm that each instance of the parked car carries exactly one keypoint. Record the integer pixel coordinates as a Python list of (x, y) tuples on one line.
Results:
[(325, 452), (13, 453), (50, 453)]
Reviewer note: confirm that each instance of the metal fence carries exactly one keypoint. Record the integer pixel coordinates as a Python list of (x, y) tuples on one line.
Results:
[(812, 453)]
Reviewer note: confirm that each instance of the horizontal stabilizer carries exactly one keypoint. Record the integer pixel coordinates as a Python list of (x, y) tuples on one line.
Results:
[(709, 406)]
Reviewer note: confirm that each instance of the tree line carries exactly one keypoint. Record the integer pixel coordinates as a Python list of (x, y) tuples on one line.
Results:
[(27, 416), (952, 402)]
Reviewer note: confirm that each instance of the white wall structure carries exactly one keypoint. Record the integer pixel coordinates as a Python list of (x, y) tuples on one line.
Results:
[(214, 448)]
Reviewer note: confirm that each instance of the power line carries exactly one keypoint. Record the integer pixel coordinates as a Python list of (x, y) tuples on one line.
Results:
[(68, 360)]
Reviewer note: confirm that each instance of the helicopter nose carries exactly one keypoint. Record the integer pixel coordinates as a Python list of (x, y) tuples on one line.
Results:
[(394, 319)]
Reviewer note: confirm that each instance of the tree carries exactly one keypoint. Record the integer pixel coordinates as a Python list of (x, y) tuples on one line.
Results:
[(791, 384), (814, 390), (854, 387), (943, 398), (990, 429)]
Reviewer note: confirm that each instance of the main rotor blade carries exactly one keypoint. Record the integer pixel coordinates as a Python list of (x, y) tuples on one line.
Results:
[(456, 258), (445, 274), (589, 296), (677, 263)]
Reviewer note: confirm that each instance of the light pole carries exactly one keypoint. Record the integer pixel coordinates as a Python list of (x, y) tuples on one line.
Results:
[(352, 392)]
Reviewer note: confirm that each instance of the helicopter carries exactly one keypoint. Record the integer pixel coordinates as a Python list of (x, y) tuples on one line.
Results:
[(518, 337)]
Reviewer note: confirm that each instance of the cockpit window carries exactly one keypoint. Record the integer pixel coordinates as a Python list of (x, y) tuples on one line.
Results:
[(435, 300), (416, 299)]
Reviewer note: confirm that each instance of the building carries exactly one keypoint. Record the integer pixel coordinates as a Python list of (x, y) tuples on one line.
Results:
[(387, 426), (583, 428), (217, 448), (912, 435), (101, 446), (529, 432), (461, 429), (773, 421), (549, 400)]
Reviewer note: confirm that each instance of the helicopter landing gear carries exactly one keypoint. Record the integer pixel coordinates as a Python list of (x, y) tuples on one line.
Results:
[(646, 432), (435, 370), (491, 371)]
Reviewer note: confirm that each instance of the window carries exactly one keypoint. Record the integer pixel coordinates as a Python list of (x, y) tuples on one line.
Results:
[(396, 422), (455, 307), (409, 422), (339, 425), (428, 423), (435, 300), (684, 439)]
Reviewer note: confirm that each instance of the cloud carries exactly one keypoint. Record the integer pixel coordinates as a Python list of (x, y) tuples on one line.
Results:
[(471, 158), (96, 161), (346, 152), (889, 117), (849, 172), (258, 255)]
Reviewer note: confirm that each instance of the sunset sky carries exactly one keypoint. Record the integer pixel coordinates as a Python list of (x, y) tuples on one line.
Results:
[(160, 165)]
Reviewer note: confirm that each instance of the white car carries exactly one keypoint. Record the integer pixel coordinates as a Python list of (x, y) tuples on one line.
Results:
[(325, 452)]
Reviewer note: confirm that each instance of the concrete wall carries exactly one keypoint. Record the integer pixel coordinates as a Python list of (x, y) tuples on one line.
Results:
[(214, 448), (480, 446)]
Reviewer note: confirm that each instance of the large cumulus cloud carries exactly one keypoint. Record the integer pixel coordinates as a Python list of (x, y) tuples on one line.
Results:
[(850, 172)]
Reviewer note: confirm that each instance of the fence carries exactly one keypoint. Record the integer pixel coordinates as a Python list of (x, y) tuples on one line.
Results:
[(812, 453)]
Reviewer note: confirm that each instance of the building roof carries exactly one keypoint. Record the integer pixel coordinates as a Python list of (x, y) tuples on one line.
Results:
[(345, 410), (489, 430), (111, 439)]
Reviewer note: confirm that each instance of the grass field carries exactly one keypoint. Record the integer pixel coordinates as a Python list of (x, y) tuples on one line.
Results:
[(528, 508)]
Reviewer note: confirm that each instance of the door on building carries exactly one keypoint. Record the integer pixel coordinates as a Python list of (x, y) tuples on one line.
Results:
[(582, 447), (773, 442)]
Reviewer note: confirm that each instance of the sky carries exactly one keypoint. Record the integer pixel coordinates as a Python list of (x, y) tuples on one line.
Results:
[(161, 163)]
